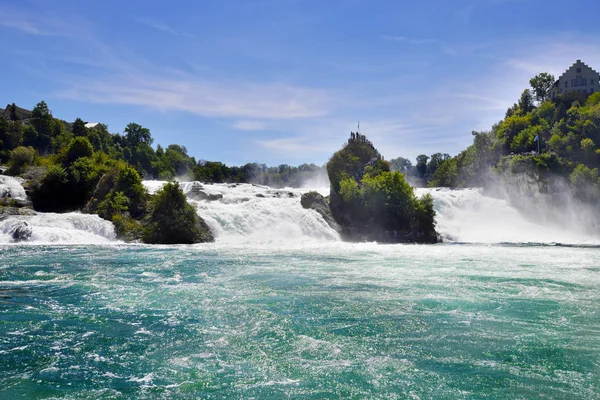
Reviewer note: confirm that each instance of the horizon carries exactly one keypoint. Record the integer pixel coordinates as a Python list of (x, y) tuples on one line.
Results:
[(289, 83)]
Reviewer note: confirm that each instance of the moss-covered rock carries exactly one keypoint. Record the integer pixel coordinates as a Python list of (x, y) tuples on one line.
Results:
[(171, 220)]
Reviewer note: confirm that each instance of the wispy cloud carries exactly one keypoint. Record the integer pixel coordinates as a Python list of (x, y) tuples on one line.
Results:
[(408, 40), (292, 145), (38, 23), (205, 98), (249, 125), (156, 24)]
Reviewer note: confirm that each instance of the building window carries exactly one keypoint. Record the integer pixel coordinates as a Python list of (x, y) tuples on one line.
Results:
[(579, 70), (578, 81), (566, 84), (591, 81)]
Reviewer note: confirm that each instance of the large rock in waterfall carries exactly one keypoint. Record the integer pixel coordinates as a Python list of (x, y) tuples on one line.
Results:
[(316, 201)]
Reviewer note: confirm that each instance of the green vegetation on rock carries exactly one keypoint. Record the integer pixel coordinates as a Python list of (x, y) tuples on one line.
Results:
[(370, 202), (172, 220)]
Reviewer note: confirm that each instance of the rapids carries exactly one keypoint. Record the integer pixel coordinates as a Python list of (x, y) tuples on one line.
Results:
[(279, 307), (252, 214)]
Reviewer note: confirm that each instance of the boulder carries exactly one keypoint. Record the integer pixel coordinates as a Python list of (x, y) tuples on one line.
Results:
[(196, 193), (316, 201), (6, 212), (20, 231)]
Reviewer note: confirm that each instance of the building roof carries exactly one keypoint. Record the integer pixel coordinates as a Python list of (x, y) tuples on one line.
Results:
[(573, 66), (91, 125), (22, 113)]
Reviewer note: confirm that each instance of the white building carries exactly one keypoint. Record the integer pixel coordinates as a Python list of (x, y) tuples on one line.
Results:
[(578, 78)]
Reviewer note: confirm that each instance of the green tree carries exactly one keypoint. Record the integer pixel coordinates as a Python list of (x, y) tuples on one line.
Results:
[(403, 165), (541, 85), (422, 165), (79, 147), (526, 102), (42, 121), (585, 184), (137, 134), (13, 112), (171, 220), (79, 128)]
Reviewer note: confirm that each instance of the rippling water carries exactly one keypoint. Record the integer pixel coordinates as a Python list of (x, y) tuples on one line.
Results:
[(330, 320)]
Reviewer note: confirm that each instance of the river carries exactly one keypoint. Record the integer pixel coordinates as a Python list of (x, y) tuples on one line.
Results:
[(279, 307)]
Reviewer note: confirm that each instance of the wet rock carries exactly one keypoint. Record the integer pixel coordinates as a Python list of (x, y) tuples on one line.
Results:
[(197, 193), (15, 203), (316, 201), (6, 212), (261, 195), (213, 197), (20, 231)]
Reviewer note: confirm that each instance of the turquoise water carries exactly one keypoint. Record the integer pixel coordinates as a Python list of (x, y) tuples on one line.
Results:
[(329, 320)]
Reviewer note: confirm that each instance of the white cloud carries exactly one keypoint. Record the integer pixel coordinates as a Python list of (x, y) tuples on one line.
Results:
[(292, 145), (249, 125), (36, 23), (408, 40), (156, 24), (201, 97)]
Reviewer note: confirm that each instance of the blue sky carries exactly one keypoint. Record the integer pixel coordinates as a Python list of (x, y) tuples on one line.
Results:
[(284, 81)]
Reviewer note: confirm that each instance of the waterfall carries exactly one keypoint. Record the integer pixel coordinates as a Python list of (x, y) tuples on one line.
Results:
[(12, 187), (467, 215), (51, 228), (253, 213)]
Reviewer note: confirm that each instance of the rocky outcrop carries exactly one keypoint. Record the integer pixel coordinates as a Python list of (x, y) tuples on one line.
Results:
[(316, 201), (172, 220), (20, 231), (196, 193), (6, 212)]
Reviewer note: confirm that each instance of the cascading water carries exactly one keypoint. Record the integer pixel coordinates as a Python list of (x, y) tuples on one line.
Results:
[(12, 187), (50, 228), (252, 213), (245, 213), (467, 215)]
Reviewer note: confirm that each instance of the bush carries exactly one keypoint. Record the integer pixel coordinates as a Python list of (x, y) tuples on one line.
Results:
[(171, 220), (127, 228), (120, 190), (53, 194), (585, 183), (20, 158), (78, 148)]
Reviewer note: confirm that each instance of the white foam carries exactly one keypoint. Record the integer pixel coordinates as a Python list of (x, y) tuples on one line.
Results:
[(68, 228), (257, 214), (467, 215), (12, 187)]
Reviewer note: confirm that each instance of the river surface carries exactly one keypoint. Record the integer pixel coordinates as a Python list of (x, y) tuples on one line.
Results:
[(293, 312)]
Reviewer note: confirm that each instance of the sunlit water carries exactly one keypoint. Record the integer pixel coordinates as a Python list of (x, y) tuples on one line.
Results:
[(325, 321), (294, 312)]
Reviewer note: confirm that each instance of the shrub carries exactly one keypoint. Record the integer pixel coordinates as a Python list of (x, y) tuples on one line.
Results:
[(120, 190), (171, 220), (20, 158), (79, 147), (53, 194)]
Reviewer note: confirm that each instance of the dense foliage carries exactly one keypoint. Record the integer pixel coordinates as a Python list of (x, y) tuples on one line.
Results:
[(80, 166), (371, 202), (172, 220), (564, 128), (49, 137)]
